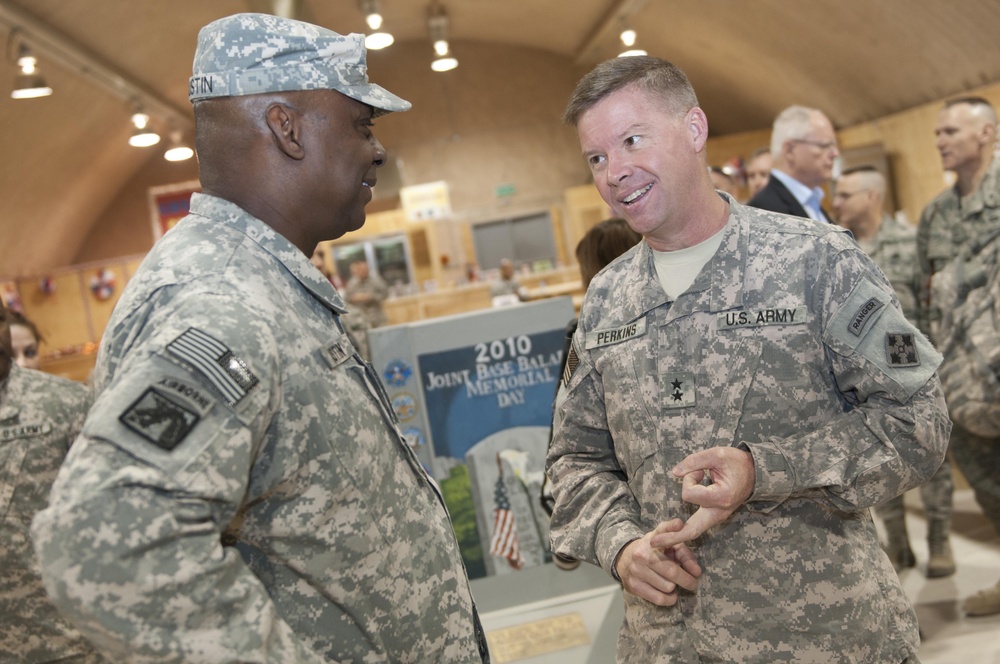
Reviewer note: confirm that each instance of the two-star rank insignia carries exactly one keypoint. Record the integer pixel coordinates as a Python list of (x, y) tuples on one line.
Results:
[(678, 390), (901, 349)]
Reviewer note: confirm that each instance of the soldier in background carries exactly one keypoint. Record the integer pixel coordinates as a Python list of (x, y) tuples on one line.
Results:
[(40, 416), (25, 340), (507, 283), (365, 292), (241, 491), (960, 217), (758, 170), (859, 207), (747, 389)]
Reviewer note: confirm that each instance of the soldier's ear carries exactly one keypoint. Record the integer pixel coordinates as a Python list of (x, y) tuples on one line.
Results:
[(989, 133), (697, 125), (285, 123)]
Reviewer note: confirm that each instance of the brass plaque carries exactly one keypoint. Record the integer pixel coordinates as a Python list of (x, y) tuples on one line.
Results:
[(537, 638)]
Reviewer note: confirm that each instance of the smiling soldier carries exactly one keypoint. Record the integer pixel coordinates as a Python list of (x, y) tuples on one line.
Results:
[(241, 491)]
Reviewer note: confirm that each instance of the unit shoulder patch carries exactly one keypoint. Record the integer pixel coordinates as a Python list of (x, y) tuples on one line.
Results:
[(160, 419), (901, 349)]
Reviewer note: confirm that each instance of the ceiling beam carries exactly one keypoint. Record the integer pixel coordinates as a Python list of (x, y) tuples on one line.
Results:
[(55, 46)]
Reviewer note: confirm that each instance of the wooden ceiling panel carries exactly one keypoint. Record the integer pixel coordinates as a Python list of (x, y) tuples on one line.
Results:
[(65, 157)]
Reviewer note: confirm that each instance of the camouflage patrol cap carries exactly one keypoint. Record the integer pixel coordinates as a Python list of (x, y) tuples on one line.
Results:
[(247, 54)]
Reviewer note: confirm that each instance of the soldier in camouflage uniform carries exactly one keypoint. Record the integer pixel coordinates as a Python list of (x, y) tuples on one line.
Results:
[(40, 415), (241, 490), (747, 388), (962, 216), (859, 207), (365, 292)]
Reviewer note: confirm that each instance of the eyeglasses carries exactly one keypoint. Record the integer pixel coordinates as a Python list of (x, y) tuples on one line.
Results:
[(823, 146), (844, 195)]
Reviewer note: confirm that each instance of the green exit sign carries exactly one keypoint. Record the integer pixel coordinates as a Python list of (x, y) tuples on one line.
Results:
[(505, 190)]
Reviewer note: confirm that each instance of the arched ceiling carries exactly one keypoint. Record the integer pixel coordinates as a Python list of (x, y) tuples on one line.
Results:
[(64, 160)]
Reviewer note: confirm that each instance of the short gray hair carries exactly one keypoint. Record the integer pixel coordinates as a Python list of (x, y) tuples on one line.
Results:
[(869, 177), (791, 124)]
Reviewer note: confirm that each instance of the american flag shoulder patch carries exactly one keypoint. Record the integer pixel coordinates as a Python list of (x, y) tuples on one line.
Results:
[(227, 372), (572, 362)]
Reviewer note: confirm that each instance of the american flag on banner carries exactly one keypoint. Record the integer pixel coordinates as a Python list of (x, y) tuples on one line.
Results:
[(504, 542)]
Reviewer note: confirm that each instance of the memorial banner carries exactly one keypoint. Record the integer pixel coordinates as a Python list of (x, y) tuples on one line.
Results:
[(474, 396)]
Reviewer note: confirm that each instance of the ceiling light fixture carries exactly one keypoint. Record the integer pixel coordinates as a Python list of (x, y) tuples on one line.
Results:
[(628, 37), (54, 47), (29, 83), (143, 135), (179, 150), (437, 25), (377, 39)]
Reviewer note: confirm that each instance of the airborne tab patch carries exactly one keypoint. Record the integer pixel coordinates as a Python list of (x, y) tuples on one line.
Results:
[(599, 338), (901, 349), (228, 373), (159, 419)]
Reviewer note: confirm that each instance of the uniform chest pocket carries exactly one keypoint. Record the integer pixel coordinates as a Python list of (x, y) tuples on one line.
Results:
[(703, 393), (343, 411), (628, 373)]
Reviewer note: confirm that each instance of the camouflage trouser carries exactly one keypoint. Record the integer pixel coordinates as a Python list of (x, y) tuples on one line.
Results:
[(935, 495), (979, 460)]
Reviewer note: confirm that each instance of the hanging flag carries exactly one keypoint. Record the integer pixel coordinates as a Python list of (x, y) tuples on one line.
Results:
[(504, 542)]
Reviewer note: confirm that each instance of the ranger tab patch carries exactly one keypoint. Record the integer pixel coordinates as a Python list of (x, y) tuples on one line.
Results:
[(229, 374), (615, 335), (864, 315), (901, 349), (159, 419)]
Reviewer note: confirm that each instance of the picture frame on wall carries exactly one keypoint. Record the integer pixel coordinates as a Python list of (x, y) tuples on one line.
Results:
[(168, 204)]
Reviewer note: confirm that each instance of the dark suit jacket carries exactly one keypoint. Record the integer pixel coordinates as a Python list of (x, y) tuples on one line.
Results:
[(776, 197)]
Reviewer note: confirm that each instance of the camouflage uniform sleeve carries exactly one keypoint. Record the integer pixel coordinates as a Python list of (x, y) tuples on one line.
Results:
[(923, 270), (131, 545), (596, 513), (380, 290), (894, 431)]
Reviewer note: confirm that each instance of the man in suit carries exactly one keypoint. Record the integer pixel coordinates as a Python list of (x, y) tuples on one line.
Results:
[(803, 148)]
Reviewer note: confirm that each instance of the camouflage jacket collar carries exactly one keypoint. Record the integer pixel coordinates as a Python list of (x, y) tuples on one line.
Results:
[(272, 242), (986, 196), (721, 280)]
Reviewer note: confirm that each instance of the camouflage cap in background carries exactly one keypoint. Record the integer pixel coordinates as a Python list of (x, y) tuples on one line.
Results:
[(248, 54)]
